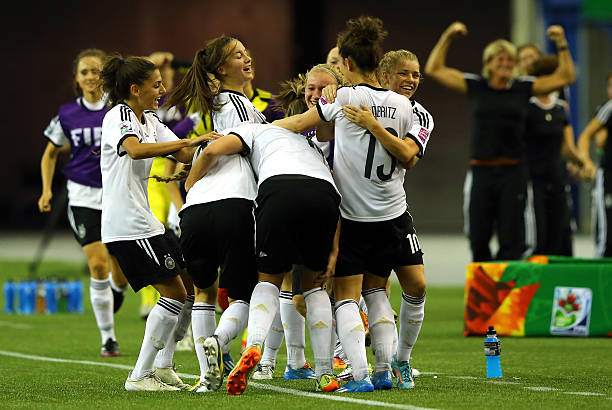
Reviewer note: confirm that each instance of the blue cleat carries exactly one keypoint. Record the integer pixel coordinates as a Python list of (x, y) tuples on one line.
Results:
[(304, 372), (382, 381), (228, 364), (361, 386), (403, 374)]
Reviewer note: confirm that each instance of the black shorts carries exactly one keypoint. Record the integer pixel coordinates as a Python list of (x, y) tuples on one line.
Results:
[(86, 224), (377, 247), (221, 234), (296, 218), (148, 261)]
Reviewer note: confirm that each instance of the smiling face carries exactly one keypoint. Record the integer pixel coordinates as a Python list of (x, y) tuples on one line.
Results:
[(150, 91), (404, 78), (501, 66), (315, 83), (237, 67), (88, 74), (526, 58)]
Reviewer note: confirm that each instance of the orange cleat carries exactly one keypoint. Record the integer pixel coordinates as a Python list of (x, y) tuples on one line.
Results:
[(339, 364), (364, 319), (237, 379)]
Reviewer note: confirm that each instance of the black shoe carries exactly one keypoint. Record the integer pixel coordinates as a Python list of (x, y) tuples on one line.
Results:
[(110, 348), (117, 300)]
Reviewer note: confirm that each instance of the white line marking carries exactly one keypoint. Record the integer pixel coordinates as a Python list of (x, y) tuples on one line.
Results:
[(464, 377), (500, 382), (334, 397), (15, 325), (539, 388), (583, 393)]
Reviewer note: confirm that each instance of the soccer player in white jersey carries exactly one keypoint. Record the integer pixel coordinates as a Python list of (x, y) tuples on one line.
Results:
[(215, 84), (78, 125), (377, 233), (297, 218), (132, 135)]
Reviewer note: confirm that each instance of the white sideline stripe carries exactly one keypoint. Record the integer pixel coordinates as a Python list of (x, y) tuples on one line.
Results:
[(583, 393), (15, 325), (539, 388), (500, 382), (339, 397)]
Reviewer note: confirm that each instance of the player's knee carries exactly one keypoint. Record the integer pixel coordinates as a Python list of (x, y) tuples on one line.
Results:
[(98, 268)]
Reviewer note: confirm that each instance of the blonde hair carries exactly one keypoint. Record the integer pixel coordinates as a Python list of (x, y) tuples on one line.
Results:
[(390, 60), (494, 48), (290, 99)]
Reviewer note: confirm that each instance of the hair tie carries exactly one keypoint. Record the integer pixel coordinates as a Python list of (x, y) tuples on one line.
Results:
[(332, 73)]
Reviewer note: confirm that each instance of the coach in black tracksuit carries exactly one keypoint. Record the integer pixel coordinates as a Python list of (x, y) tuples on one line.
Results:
[(602, 193), (496, 184)]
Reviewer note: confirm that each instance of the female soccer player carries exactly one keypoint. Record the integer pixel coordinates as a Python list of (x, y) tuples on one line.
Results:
[(215, 84), (376, 233), (602, 193), (132, 135), (296, 217), (496, 185), (79, 124)]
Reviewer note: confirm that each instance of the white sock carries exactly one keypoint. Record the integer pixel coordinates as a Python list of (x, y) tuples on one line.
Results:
[(319, 318), (294, 325), (164, 357), (334, 335), (232, 323), (352, 336), (411, 317), (120, 289), (382, 327), (101, 297), (160, 323), (203, 323), (274, 340), (263, 308)]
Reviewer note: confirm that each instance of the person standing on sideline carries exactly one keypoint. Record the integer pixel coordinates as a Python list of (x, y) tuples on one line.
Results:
[(602, 193), (132, 135), (496, 185), (79, 124)]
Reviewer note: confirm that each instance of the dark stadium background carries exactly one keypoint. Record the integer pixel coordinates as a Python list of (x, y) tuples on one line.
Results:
[(285, 38)]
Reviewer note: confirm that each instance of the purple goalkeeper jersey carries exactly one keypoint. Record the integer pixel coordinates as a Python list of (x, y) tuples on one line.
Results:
[(83, 129)]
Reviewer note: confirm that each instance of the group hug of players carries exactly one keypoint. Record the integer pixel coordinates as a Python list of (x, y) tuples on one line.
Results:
[(324, 240)]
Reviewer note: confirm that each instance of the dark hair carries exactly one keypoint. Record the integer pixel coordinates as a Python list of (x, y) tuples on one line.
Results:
[(361, 42), (120, 73), (290, 99), (544, 65), (88, 52), (197, 89)]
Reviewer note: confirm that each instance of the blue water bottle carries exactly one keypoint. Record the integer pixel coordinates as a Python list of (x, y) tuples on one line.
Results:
[(492, 350), (78, 295), (51, 296), (10, 291)]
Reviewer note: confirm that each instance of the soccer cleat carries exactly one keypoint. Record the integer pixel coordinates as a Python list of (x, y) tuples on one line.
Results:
[(213, 378), (118, 298), (168, 375), (415, 373), (361, 386), (228, 364), (327, 383), (148, 382), (304, 372), (339, 364), (237, 379), (198, 388), (110, 348), (382, 380), (347, 374), (403, 374), (264, 371)]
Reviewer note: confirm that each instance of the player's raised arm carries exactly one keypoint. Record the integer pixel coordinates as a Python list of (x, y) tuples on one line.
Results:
[(436, 62)]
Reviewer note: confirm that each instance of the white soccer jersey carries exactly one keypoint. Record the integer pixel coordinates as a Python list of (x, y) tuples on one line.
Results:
[(370, 180), (422, 126), (126, 214), (235, 109), (276, 151), (230, 177)]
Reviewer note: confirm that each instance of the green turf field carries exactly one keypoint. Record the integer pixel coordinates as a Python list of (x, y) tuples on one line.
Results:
[(53, 361)]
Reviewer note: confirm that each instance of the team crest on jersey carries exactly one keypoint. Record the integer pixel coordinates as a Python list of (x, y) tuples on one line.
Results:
[(169, 262), (82, 231), (423, 134), (125, 128), (322, 100)]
